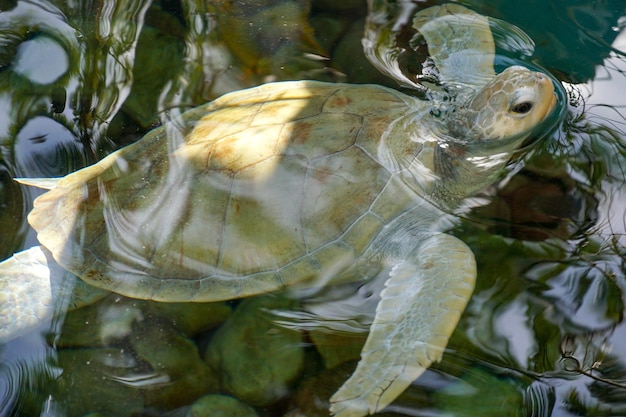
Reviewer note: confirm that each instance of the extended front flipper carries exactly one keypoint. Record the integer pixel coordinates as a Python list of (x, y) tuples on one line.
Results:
[(421, 304)]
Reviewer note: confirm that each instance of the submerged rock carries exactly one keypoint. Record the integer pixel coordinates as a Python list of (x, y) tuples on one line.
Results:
[(92, 381), (337, 349), (220, 406), (257, 359), (191, 318), (177, 375)]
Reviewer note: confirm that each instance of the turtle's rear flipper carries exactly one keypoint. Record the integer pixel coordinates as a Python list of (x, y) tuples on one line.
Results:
[(32, 286)]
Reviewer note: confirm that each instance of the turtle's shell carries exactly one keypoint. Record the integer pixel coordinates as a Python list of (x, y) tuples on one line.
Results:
[(250, 193)]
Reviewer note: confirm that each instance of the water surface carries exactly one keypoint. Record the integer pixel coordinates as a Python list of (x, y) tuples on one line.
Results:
[(543, 334)]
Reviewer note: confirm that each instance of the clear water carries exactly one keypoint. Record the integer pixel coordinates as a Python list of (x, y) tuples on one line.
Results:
[(543, 334)]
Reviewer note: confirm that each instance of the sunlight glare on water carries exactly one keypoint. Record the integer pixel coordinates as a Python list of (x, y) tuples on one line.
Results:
[(41, 60)]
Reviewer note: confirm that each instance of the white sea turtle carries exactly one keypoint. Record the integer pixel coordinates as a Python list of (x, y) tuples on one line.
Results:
[(288, 182)]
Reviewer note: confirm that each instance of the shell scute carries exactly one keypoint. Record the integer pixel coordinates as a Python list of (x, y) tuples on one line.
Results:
[(262, 224), (332, 258), (368, 100), (395, 198), (339, 188), (362, 232), (314, 138), (304, 269)]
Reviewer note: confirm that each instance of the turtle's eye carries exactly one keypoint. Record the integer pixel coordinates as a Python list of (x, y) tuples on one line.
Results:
[(522, 108)]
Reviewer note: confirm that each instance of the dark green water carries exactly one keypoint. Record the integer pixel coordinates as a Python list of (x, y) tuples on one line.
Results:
[(543, 334)]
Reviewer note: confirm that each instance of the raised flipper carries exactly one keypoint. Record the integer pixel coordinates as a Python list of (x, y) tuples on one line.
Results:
[(460, 43), (421, 304), (31, 285)]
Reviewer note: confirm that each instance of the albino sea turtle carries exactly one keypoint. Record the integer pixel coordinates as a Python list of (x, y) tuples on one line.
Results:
[(293, 182)]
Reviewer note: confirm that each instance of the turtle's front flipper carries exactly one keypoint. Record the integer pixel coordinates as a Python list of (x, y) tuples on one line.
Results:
[(460, 43), (421, 305), (31, 285)]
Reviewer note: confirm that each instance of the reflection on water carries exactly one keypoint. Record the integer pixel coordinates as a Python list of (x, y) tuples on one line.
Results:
[(41, 60), (544, 330)]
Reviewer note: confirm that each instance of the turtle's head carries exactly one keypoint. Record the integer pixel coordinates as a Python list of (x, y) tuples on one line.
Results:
[(507, 108), (487, 129)]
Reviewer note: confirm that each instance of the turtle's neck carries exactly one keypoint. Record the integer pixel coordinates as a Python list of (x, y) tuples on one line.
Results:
[(464, 173)]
